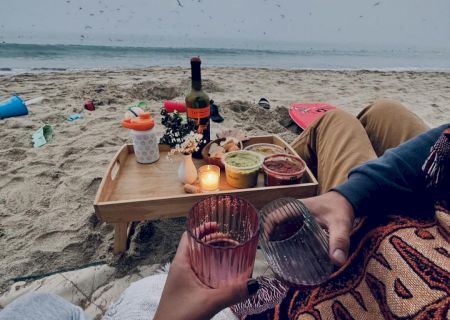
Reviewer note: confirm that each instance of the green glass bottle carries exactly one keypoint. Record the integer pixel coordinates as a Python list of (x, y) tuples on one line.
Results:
[(197, 104)]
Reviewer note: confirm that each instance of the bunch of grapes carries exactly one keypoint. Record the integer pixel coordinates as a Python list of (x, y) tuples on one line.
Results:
[(176, 128)]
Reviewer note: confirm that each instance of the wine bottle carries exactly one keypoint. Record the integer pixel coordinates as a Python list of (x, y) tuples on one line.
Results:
[(197, 104)]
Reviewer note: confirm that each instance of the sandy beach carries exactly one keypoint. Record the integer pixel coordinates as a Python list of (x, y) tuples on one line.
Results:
[(47, 221)]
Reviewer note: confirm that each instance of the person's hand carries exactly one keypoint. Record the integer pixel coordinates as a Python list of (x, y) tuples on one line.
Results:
[(333, 211), (186, 297)]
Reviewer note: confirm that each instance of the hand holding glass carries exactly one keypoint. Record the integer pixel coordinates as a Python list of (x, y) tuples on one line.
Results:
[(295, 246), (223, 235)]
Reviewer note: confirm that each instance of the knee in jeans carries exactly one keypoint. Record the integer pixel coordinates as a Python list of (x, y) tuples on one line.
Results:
[(382, 107), (336, 114)]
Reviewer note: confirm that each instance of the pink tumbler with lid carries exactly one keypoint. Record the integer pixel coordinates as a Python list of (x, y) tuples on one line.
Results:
[(145, 142)]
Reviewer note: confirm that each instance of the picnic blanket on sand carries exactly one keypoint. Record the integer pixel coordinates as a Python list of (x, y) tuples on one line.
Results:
[(399, 270)]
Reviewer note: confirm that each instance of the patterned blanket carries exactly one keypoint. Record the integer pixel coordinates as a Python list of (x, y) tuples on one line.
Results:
[(399, 270)]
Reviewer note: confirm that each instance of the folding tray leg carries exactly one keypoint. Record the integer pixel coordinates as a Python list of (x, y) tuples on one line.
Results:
[(120, 237)]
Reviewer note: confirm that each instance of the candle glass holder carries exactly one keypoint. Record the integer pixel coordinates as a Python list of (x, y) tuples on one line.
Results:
[(209, 177), (223, 235)]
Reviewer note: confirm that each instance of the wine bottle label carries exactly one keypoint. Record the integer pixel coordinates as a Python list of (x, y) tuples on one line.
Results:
[(201, 118), (198, 114)]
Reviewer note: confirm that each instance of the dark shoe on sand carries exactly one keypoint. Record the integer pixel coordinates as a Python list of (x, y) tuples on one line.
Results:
[(215, 116), (286, 122), (264, 103)]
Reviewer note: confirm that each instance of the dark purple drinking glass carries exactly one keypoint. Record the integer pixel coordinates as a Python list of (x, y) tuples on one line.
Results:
[(295, 246)]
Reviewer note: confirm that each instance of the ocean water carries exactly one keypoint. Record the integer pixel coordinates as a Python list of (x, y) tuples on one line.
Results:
[(18, 58)]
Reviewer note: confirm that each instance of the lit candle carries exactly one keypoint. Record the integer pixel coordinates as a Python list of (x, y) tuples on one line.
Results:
[(209, 176)]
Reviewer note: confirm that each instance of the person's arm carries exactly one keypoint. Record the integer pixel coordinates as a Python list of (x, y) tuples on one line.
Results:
[(186, 297), (393, 183)]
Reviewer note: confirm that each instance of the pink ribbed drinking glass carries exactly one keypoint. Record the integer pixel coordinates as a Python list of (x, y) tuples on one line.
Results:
[(223, 235)]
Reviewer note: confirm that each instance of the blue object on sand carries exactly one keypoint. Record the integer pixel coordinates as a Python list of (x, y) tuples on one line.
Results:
[(73, 117), (13, 107)]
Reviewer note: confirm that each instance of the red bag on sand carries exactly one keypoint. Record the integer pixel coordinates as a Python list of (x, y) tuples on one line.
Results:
[(304, 114), (89, 105)]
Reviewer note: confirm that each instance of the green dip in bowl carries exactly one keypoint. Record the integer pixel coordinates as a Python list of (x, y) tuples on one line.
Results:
[(242, 168)]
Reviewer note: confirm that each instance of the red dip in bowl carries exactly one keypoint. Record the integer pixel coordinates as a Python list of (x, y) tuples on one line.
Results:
[(283, 169)]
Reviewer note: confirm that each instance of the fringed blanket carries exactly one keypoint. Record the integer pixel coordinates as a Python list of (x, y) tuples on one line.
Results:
[(397, 271)]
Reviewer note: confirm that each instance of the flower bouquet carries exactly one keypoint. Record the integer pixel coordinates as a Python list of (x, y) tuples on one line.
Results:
[(180, 136)]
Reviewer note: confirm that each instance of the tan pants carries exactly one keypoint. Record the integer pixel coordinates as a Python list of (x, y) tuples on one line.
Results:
[(338, 142)]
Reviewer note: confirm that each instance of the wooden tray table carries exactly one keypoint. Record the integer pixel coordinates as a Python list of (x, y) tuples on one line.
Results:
[(130, 191)]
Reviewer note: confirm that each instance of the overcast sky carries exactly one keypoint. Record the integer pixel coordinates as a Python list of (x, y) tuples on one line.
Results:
[(226, 23)]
